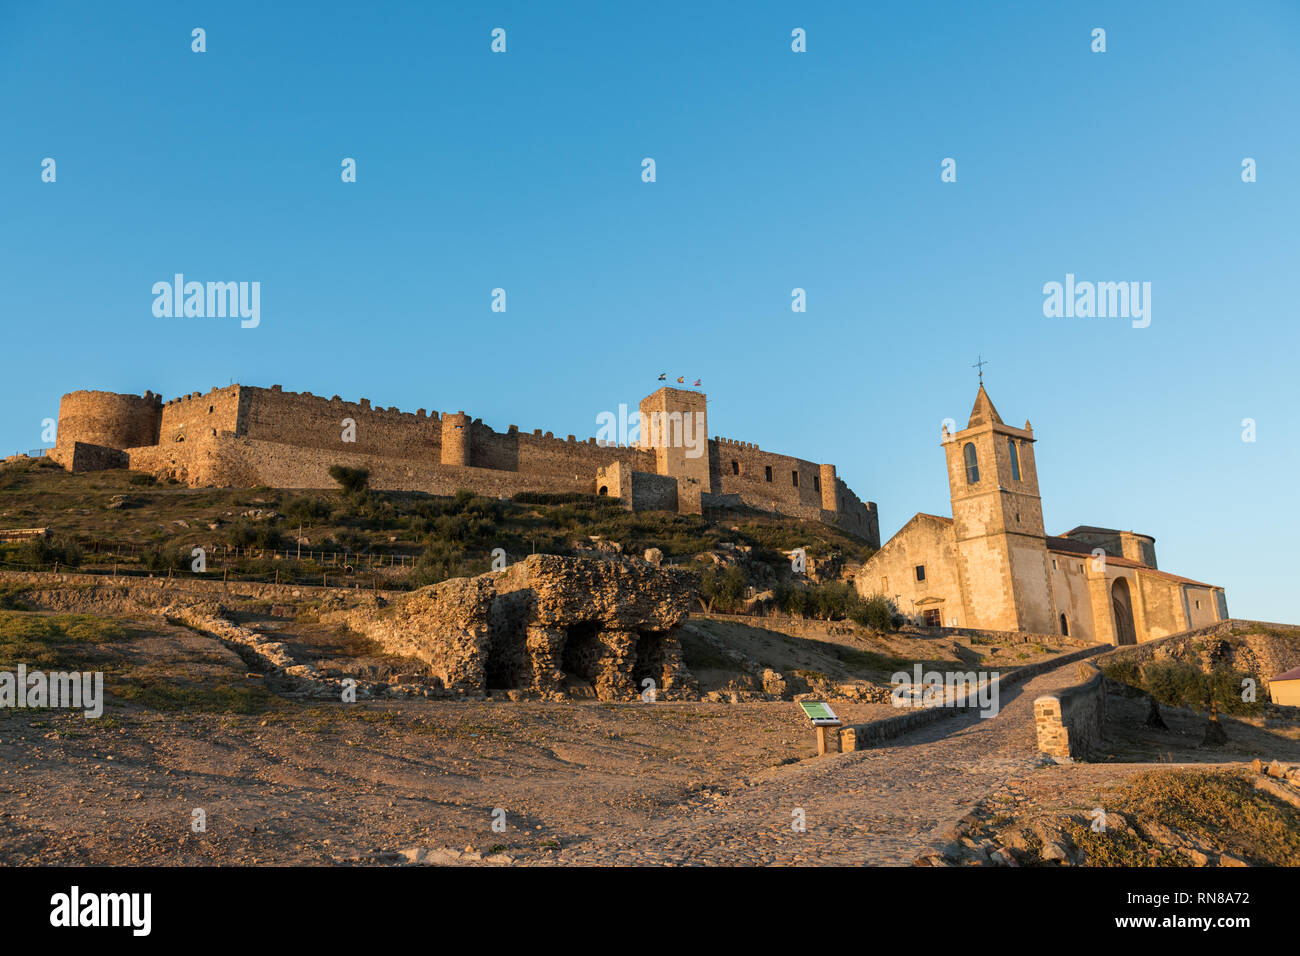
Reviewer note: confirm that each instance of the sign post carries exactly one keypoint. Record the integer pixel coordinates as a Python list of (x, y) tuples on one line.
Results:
[(821, 715)]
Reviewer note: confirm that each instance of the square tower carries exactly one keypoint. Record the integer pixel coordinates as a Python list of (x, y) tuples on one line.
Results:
[(998, 523), (674, 423)]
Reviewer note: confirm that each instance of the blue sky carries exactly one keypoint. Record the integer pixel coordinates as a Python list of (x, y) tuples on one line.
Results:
[(775, 170)]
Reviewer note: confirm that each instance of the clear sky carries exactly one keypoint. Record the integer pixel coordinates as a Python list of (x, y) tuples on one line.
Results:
[(775, 170)]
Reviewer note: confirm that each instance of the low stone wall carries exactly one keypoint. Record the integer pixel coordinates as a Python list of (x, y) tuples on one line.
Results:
[(997, 637), (149, 588), (1263, 654), (861, 736), (1069, 722)]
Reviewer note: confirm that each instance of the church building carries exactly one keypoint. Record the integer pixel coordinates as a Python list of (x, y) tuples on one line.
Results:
[(992, 566)]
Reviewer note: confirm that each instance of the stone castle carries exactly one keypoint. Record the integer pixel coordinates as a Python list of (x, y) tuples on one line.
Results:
[(992, 566), (242, 436)]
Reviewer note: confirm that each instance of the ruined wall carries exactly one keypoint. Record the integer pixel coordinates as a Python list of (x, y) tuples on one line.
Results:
[(545, 625)]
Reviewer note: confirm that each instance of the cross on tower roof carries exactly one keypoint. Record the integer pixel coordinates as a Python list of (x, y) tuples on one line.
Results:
[(979, 364)]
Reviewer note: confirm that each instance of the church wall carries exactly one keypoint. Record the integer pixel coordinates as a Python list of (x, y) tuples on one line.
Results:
[(1035, 606), (892, 571), (1162, 604), (1073, 597), (1208, 612)]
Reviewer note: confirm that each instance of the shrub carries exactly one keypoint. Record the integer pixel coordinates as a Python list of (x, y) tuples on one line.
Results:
[(308, 510), (57, 550), (876, 611), (166, 559), (351, 480), (254, 534)]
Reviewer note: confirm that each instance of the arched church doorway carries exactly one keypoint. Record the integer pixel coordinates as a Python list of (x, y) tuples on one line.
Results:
[(1122, 603)]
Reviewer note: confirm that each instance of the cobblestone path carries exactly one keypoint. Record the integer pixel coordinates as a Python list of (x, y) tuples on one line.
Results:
[(873, 807)]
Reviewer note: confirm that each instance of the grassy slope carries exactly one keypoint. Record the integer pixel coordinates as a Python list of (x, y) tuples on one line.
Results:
[(455, 535)]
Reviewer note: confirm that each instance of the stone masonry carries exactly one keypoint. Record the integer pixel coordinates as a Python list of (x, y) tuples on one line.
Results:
[(545, 626), (243, 436)]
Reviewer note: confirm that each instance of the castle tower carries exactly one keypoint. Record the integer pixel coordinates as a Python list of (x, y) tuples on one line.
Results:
[(674, 422), (830, 493), (455, 439), (998, 523)]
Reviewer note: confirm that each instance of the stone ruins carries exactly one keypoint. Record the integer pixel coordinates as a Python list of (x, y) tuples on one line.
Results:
[(545, 626)]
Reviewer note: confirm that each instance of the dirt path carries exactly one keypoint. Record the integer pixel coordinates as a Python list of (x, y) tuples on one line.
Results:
[(877, 806)]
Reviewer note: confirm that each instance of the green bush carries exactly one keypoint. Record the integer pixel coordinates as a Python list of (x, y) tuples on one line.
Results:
[(351, 480), (255, 534), (50, 551), (876, 611), (308, 510), (724, 590)]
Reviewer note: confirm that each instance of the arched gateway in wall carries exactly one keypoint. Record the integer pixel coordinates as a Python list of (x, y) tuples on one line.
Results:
[(1122, 605)]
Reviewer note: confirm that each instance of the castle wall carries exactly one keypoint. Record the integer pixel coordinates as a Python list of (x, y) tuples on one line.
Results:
[(290, 439), (230, 461), (544, 454), (742, 468), (192, 416), (305, 420)]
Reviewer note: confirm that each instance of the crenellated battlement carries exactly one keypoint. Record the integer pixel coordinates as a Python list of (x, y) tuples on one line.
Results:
[(241, 435)]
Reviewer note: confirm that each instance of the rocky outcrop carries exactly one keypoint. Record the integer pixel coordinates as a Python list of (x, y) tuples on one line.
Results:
[(544, 625)]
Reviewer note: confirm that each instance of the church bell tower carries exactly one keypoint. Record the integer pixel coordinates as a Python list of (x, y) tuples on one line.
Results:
[(998, 523)]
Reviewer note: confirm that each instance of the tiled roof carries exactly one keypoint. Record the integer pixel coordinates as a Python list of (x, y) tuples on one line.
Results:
[(1292, 674), (1079, 549)]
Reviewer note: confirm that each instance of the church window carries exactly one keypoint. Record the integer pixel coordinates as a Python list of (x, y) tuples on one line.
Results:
[(735, 467), (210, 408), (1053, 564), (767, 472), (920, 572), (1198, 605), (1065, 627), (972, 465), (794, 478), (1015, 459), (817, 483)]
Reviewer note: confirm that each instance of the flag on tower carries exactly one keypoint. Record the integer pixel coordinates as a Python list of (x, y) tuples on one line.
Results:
[(698, 383), (681, 379), (663, 376)]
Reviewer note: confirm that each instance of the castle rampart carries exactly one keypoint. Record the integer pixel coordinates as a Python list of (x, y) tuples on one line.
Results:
[(244, 436)]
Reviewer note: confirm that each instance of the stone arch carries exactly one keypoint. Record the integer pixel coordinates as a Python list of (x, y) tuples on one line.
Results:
[(1065, 626), (1122, 609), (603, 490)]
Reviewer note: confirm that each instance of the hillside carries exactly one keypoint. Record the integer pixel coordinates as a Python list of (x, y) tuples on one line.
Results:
[(124, 519)]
